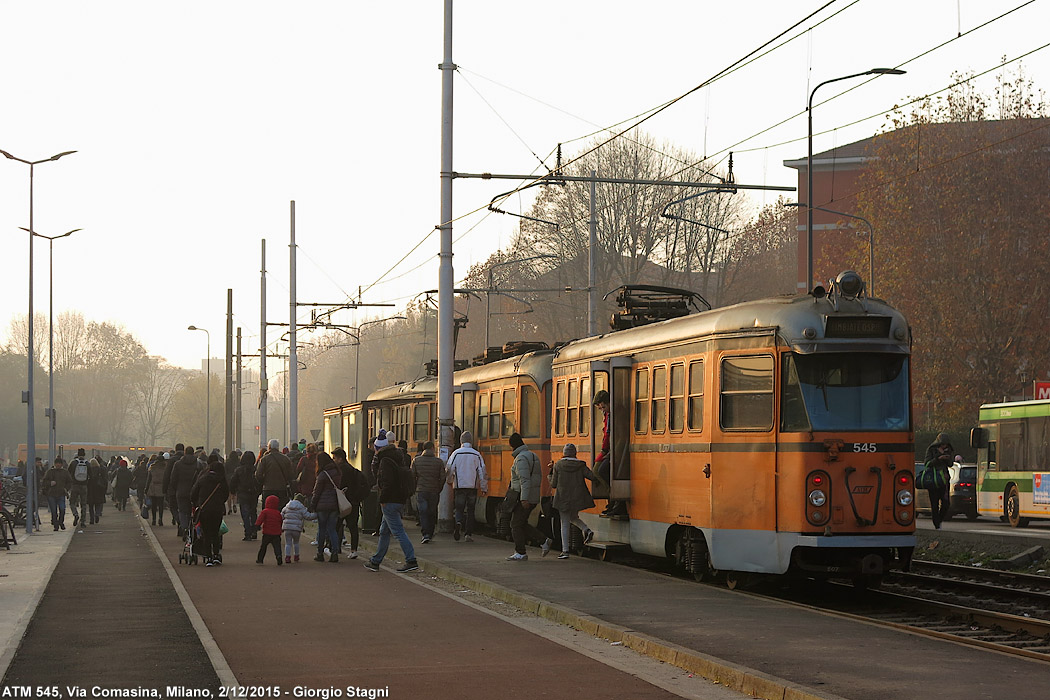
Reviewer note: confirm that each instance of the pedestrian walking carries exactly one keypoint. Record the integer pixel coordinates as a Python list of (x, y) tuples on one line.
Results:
[(393, 492), (56, 484), (275, 474), (466, 473), (306, 469), (326, 506), (180, 483), (429, 472), (524, 494), (156, 489), (356, 487), (98, 480), (569, 479), (938, 459), (270, 521), (244, 485), (294, 516), (208, 497), (79, 472), (122, 484)]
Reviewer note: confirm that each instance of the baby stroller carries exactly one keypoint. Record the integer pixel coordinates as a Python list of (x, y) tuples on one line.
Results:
[(191, 549)]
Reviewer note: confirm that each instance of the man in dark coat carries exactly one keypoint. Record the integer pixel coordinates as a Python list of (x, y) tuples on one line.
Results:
[(180, 483), (275, 473)]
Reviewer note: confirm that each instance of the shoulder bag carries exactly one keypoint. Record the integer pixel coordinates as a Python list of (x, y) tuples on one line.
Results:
[(345, 507)]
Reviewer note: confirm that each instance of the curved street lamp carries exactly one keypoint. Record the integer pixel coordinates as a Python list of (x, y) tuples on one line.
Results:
[(871, 240), (809, 162), (207, 428), (357, 360), (488, 292), (31, 485), (52, 420)]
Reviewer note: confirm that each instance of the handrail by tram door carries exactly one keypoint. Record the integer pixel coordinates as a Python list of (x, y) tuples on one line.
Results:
[(620, 402)]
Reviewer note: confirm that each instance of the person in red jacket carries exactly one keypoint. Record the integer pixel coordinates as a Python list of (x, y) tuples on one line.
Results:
[(270, 519)]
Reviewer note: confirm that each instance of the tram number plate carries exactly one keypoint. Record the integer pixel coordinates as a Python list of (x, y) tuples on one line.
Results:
[(865, 447)]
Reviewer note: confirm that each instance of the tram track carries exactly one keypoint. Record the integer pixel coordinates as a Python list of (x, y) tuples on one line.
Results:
[(996, 610)]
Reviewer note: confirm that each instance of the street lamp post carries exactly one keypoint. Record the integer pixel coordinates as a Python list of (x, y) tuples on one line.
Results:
[(809, 162), (871, 240), (488, 292), (357, 360), (52, 419), (207, 428), (31, 485)]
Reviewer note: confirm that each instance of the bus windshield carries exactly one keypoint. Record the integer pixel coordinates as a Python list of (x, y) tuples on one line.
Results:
[(844, 391)]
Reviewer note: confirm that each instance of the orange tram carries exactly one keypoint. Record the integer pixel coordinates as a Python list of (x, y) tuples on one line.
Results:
[(769, 437)]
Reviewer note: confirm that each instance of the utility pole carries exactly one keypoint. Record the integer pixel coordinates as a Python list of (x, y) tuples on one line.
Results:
[(446, 281), (262, 350), (293, 361), (227, 445), (238, 428), (592, 265)]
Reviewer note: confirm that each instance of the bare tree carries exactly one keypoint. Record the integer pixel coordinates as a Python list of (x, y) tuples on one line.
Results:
[(153, 399)]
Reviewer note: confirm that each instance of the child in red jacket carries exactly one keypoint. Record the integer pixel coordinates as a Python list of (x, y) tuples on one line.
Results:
[(270, 519)]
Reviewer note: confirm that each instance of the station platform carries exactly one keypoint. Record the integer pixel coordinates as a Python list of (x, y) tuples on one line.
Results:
[(120, 611)]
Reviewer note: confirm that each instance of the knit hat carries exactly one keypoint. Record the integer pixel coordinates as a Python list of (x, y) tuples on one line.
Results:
[(516, 441), (381, 440), (391, 438), (569, 450)]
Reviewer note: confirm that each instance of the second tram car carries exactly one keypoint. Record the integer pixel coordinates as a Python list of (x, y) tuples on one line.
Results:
[(770, 437)]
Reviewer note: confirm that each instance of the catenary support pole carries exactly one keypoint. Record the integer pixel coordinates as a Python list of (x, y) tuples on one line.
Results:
[(227, 444), (446, 282), (263, 408), (293, 360)]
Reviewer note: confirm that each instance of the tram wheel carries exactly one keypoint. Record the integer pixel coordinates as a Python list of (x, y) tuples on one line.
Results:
[(869, 582), (1013, 508), (736, 579)]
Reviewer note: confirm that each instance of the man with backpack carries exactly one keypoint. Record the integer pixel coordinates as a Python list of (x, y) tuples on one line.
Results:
[(78, 492), (394, 476)]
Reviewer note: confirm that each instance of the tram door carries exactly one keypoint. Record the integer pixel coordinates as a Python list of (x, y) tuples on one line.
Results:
[(620, 428)]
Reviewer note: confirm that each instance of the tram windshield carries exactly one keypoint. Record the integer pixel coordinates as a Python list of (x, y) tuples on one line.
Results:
[(844, 391)]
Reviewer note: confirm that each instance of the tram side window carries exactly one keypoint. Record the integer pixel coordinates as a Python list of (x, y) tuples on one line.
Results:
[(559, 408), (510, 400), (585, 407), (573, 407), (469, 400), (676, 415), (747, 393), (1011, 447), (421, 423), (641, 400), (659, 403), (696, 395), (1039, 443), (483, 417), (495, 411), (530, 412)]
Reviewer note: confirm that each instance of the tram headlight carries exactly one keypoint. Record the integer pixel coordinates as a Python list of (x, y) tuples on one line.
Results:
[(904, 497), (817, 497)]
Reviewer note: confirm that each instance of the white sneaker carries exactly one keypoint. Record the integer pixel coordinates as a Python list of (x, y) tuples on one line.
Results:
[(353, 554), (314, 542), (517, 557), (546, 546)]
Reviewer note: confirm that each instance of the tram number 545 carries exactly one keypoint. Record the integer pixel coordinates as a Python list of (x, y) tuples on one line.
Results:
[(865, 447)]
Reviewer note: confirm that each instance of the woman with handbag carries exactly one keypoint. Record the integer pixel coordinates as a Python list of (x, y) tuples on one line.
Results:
[(326, 504), (208, 496)]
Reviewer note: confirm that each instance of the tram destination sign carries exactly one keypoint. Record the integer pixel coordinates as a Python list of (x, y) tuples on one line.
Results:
[(857, 327)]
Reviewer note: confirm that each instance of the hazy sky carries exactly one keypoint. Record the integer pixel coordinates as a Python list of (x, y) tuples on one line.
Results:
[(195, 124)]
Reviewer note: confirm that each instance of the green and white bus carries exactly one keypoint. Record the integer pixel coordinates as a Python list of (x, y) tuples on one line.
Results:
[(1013, 461)]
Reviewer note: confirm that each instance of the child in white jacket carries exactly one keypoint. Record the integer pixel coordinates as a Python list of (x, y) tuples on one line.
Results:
[(295, 514)]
